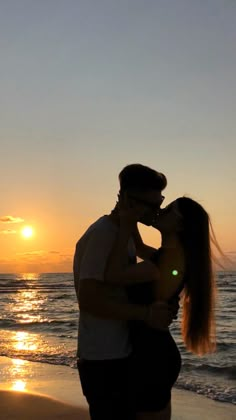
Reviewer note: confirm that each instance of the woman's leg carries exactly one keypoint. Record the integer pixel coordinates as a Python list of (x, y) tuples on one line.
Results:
[(164, 414)]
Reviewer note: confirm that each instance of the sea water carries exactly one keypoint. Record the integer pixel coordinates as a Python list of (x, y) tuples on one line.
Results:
[(39, 322)]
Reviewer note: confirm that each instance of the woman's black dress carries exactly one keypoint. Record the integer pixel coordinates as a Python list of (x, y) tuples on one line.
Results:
[(156, 360)]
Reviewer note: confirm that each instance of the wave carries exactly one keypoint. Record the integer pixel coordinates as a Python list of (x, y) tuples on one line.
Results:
[(64, 296), (229, 289), (221, 347), (227, 371), (55, 325), (218, 393), (52, 359), (17, 286)]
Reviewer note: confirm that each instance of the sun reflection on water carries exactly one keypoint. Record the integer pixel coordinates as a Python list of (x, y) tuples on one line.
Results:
[(28, 300), (27, 306), (18, 386), (25, 341), (17, 363), (18, 373), (29, 276)]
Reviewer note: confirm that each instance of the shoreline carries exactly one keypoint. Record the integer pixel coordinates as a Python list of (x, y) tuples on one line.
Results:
[(32, 390)]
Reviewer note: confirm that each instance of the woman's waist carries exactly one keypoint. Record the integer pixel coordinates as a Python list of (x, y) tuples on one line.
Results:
[(140, 329)]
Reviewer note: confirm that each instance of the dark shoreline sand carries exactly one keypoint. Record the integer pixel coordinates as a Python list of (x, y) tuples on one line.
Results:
[(53, 392), (24, 406)]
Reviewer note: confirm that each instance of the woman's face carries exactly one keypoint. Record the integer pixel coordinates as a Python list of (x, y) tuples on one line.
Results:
[(169, 219)]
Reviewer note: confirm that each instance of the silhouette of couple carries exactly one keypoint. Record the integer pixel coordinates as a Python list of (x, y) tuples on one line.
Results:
[(128, 361)]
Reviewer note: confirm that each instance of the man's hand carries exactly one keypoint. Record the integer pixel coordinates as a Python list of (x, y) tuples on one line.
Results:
[(129, 213), (160, 315)]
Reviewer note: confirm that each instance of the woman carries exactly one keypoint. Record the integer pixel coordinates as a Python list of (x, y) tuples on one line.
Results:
[(182, 264)]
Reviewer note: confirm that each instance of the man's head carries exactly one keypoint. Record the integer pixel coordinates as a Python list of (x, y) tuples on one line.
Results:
[(143, 186)]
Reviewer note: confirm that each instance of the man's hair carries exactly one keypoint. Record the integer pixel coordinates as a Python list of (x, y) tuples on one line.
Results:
[(137, 177)]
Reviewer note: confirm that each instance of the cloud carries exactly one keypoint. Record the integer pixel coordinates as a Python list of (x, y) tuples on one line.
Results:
[(11, 219), (7, 232), (39, 253), (40, 261), (45, 256)]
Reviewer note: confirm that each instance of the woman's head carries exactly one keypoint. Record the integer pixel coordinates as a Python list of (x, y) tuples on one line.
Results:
[(185, 216), (195, 219)]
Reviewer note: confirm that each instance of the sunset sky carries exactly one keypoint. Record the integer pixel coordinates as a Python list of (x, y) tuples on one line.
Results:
[(89, 86)]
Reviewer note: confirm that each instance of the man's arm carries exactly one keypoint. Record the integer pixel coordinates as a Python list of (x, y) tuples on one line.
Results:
[(94, 299), (93, 293), (76, 275)]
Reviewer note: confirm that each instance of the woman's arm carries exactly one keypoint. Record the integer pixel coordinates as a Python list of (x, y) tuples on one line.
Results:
[(143, 251), (171, 265)]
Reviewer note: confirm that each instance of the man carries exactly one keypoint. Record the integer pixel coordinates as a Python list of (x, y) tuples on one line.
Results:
[(104, 348)]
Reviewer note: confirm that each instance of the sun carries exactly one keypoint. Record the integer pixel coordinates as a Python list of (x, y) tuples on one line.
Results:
[(27, 232)]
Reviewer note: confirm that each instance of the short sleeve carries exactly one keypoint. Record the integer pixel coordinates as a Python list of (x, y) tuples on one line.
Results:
[(96, 253)]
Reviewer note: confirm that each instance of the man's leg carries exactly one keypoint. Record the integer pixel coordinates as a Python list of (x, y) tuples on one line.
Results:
[(164, 414), (106, 387)]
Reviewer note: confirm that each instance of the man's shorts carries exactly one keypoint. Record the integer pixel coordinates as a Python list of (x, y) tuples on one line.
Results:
[(108, 388)]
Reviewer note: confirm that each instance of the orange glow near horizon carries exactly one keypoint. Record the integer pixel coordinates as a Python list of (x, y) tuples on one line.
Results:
[(52, 249), (30, 276)]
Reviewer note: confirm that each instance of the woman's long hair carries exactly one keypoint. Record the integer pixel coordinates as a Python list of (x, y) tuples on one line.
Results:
[(198, 326)]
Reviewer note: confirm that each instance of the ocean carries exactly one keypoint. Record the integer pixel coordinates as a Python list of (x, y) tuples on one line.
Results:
[(39, 321)]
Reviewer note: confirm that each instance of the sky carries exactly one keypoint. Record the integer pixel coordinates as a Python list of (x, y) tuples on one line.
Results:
[(87, 87)]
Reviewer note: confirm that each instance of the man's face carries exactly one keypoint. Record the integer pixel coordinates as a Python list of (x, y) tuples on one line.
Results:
[(150, 201)]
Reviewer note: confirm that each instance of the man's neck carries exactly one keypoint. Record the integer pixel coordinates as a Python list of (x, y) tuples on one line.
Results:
[(114, 217)]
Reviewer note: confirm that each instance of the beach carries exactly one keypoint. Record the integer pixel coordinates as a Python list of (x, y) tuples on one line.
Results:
[(32, 390)]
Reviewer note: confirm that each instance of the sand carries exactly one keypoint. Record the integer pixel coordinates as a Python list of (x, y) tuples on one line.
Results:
[(25, 406), (53, 392)]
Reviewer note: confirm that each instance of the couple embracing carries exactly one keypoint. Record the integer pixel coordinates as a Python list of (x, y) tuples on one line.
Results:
[(128, 361)]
